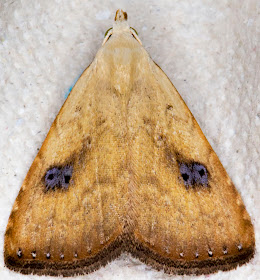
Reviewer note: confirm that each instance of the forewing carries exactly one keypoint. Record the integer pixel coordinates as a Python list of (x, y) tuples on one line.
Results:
[(190, 219), (70, 206)]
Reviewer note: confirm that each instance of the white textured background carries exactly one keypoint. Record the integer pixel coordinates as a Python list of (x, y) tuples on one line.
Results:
[(209, 50)]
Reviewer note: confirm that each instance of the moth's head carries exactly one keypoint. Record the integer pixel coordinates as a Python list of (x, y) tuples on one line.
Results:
[(120, 15), (120, 26)]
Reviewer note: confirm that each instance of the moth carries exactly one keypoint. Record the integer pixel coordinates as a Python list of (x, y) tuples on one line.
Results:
[(126, 168)]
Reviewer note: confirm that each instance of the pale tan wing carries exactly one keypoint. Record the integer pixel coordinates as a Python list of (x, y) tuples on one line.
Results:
[(74, 230), (180, 227)]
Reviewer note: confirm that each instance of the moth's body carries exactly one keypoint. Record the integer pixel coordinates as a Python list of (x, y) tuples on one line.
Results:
[(125, 132)]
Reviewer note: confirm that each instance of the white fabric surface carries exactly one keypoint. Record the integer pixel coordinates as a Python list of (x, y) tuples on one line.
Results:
[(209, 50)]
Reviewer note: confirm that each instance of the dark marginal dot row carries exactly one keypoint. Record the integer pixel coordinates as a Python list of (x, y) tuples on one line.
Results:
[(48, 255), (58, 177), (194, 174), (210, 253)]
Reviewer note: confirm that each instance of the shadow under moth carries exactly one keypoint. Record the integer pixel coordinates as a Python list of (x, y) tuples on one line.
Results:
[(126, 168)]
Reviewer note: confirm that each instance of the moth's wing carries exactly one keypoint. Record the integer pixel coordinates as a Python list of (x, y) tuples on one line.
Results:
[(182, 228), (74, 230)]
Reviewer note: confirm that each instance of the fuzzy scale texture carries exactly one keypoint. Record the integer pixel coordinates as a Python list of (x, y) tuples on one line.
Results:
[(207, 49)]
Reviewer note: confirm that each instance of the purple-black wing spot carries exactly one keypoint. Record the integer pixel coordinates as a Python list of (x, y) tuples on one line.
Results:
[(52, 178), (58, 177), (194, 174), (200, 174), (186, 174), (66, 174)]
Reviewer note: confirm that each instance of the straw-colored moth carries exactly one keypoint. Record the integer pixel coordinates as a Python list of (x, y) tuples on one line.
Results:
[(125, 167)]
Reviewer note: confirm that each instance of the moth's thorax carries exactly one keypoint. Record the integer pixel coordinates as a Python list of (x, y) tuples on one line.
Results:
[(121, 39), (120, 56), (120, 26)]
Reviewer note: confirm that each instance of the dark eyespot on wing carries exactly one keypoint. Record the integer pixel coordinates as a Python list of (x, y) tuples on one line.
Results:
[(194, 174), (186, 173), (200, 174), (58, 177), (52, 178), (66, 174)]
